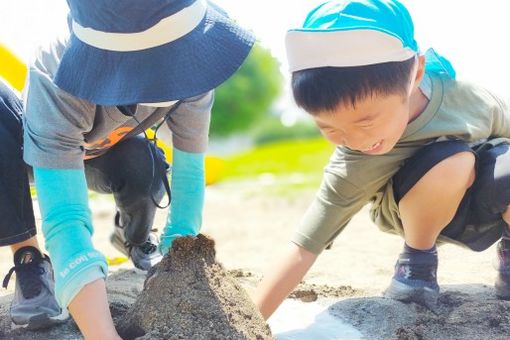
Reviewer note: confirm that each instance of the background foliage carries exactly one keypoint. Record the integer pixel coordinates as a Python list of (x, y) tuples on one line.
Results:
[(246, 98)]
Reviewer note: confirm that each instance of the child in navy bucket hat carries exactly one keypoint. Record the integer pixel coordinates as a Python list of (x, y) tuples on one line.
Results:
[(409, 138), (127, 66)]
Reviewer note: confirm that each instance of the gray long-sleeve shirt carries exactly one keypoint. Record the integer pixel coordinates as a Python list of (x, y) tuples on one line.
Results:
[(62, 130)]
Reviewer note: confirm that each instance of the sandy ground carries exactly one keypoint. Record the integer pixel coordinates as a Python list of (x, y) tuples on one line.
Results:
[(251, 230)]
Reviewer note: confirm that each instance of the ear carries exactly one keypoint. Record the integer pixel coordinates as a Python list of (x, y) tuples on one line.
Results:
[(420, 73)]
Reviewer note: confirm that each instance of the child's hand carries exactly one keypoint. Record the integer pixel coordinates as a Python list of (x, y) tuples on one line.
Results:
[(282, 279)]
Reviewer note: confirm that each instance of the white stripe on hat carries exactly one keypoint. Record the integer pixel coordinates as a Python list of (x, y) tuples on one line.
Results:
[(167, 30), (312, 49)]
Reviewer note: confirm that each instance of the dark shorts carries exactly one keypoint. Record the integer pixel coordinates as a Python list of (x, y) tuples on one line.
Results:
[(132, 170), (16, 213), (478, 223)]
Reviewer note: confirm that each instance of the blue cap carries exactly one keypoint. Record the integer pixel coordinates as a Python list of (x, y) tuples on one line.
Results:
[(357, 33)]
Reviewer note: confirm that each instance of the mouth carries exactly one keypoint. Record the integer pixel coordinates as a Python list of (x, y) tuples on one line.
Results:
[(373, 148)]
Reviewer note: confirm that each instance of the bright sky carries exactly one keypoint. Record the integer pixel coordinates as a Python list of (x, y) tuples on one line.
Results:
[(475, 38)]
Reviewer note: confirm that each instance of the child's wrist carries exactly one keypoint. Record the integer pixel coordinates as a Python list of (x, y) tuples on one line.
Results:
[(94, 269)]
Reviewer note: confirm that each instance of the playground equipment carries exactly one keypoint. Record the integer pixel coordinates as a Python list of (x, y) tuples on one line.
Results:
[(12, 68)]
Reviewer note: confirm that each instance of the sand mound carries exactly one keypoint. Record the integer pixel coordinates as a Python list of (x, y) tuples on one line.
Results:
[(190, 296), (463, 312)]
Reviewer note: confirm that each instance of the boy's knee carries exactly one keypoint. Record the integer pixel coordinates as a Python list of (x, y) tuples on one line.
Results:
[(451, 176), (456, 172)]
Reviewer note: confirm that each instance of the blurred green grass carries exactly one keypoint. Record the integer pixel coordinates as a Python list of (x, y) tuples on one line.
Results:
[(281, 167)]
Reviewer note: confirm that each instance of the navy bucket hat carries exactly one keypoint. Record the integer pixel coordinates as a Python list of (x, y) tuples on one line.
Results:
[(124, 52)]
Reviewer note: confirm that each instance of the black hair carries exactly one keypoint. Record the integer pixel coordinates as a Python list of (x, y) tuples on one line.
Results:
[(324, 89)]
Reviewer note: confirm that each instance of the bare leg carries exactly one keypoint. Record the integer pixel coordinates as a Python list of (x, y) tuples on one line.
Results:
[(32, 242), (433, 201)]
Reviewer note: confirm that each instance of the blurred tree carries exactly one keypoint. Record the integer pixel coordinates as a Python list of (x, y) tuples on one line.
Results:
[(247, 96)]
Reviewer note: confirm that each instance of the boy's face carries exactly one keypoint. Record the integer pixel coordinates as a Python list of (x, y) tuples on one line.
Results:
[(373, 126), (376, 123)]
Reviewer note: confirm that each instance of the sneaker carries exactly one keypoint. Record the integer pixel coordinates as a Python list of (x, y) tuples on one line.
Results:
[(415, 279), (502, 283), (34, 305), (144, 256)]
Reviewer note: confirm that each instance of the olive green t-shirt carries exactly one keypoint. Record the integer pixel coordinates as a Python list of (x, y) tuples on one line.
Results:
[(352, 179)]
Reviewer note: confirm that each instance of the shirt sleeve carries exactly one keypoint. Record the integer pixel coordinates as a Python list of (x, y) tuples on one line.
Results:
[(351, 180), (501, 117), (190, 123), (54, 122), (336, 202)]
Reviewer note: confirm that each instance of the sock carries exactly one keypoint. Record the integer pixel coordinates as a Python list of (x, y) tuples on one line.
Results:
[(411, 250)]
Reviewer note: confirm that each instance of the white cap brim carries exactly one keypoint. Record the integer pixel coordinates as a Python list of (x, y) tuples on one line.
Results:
[(345, 48)]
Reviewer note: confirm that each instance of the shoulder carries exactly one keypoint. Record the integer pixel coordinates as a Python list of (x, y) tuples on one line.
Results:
[(466, 93), (197, 105), (48, 56), (204, 99)]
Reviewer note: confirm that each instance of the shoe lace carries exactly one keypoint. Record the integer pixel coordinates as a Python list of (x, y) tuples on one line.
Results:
[(418, 271), (148, 247), (29, 278)]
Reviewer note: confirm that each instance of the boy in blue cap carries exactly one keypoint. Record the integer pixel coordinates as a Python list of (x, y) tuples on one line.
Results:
[(126, 67), (409, 138)]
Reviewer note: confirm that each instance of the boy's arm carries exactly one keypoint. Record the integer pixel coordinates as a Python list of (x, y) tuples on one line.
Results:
[(91, 312), (79, 268), (188, 190), (336, 202), (189, 125), (278, 283)]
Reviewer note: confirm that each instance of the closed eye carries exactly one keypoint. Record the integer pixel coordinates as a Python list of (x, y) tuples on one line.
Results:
[(366, 125)]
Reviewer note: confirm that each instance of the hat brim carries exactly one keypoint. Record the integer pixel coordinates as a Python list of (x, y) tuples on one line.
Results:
[(189, 66)]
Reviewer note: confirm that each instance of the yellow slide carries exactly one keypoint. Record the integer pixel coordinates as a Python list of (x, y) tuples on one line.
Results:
[(14, 71), (12, 68)]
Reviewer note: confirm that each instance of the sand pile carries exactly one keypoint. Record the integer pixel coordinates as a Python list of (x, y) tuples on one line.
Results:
[(190, 296)]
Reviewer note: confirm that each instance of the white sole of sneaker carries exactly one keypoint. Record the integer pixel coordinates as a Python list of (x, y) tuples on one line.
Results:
[(42, 321), (402, 292)]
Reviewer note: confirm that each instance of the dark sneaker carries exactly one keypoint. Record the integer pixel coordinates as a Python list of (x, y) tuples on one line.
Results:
[(502, 283), (144, 256), (34, 305), (415, 279)]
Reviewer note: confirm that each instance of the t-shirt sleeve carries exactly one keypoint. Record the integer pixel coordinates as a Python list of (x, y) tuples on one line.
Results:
[(190, 122), (54, 122), (335, 204), (501, 117)]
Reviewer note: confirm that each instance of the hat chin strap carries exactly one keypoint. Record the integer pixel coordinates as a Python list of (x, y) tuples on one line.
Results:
[(167, 30)]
